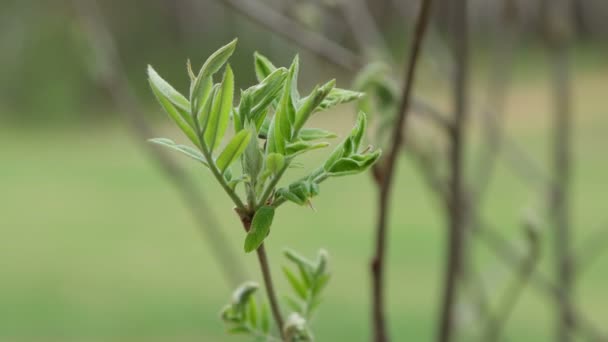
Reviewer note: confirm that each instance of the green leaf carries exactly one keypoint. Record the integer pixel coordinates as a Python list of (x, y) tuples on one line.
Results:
[(350, 144), (175, 115), (260, 228), (164, 88), (252, 312), (339, 96), (205, 111), (241, 295), (210, 67), (263, 66), (284, 117), (233, 150), (298, 259), (264, 318), (293, 304), (309, 134), (359, 130), (253, 160), (275, 163), (310, 104), (259, 97), (354, 164), (220, 112), (187, 150), (320, 283), (239, 329), (295, 66), (296, 285), (300, 147)]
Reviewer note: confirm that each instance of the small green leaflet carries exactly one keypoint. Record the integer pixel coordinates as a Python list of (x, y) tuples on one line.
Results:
[(211, 66), (174, 114), (260, 227), (167, 90), (187, 150), (220, 112), (233, 150), (338, 96), (310, 103), (263, 66), (308, 134), (275, 162)]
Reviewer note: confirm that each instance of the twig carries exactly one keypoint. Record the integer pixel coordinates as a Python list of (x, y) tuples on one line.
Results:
[(272, 298), (508, 254), (507, 304), (282, 25), (505, 250), (387, 171), (556, 35), (365, 31), (492, 128), (246, 219), (457, 207), (111, 76)]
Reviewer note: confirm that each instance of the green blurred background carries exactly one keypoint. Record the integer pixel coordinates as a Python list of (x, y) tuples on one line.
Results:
[(96, 245)]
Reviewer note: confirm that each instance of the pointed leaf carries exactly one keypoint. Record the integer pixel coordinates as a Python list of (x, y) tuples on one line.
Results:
[(164, 88), (252, 312), (309, 134), (264, 318), (187, 150), (300, 147), (338, 96), (233, 150), (275, 163), (175, 115), (210, 67), (310, 104), (295, 283), (263, 66), (260, 228), (220, 112), (204, 112)]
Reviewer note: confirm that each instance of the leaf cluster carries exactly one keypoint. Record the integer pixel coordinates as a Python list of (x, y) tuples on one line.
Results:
[(269, 133), (307, 279)]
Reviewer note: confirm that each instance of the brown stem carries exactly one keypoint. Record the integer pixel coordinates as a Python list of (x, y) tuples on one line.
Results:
[(385, 177), (457, 208), (266, 275), (272, 297)]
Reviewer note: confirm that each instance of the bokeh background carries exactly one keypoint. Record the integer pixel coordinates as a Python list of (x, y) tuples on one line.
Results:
[(96, 243)]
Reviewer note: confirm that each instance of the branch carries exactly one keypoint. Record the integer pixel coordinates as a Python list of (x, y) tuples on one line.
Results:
[(513, 293), (294, 32), (387, 172), (509, 255), (266, 275), (457, 207), (110, 75)]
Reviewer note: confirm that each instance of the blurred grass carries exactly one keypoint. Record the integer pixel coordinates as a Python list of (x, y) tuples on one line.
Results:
[(96, 245)]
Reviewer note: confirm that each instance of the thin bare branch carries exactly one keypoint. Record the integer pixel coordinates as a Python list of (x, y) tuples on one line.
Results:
[(386, 175), (457, 201), (291, 30), (110, 74), (512, 294), (365, 31), (556, 35)]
